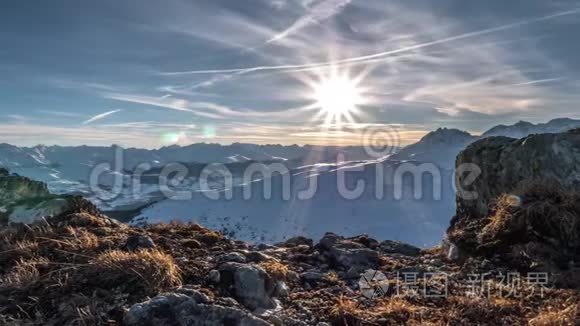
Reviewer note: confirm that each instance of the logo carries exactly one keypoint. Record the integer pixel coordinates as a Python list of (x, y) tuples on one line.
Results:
[(373, 284)]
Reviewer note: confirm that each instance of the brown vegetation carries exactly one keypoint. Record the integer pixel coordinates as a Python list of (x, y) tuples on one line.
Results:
[(275, 269), (538, 223), (153, 270)]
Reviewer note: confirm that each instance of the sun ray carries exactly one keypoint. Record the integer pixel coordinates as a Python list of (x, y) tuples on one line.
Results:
[(337, 95)]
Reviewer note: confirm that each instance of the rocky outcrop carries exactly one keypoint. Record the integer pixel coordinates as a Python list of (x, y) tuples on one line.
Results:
[(506, 163), (24, 201), (188, 308), (524, 206)]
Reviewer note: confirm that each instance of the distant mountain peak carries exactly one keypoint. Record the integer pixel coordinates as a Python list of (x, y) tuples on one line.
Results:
[(522, 123), (523, 128), (446, 135)]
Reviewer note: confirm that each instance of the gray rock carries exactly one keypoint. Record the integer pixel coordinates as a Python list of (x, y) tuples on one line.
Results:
[(256, 256), (137, 242), (397, 247), (235, 257), (296, 241), (214, 276), (249, 284), (506, 162), (453, 252), (282, 289), (293, 276), (540, 174), (183, 310), (346, 253), (194, 294), (312, 276)]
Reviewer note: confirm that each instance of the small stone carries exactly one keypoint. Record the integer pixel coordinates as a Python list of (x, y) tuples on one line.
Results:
[(293, 276), (139, 241), (191, 243), (296, 241), (235, 257), (453, 253), (312, 276), (282, 289), (195, 294), (256, 256), (397, 247), (214, 276)]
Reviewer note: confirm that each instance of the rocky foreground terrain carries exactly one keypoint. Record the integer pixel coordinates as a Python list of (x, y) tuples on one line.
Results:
[(86, 269), (510, 258)]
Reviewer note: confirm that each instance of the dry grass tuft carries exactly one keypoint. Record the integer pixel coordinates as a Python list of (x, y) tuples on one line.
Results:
[(153, 270), (19, 249), (209, 237), (86, 220), (551, 317), (275, 269), (332, 278), (538, 223), (80, 239), (345, 311), (544, 210), (396, 309), (25, 273)]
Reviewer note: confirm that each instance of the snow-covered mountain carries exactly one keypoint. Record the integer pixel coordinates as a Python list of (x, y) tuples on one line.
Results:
[(379, 210), (422, 221), (439, 147), (67, 170), (442, 145), (523, 128)]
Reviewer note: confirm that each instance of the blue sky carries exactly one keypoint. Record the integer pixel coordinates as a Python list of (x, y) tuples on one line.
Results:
[(151, 73)]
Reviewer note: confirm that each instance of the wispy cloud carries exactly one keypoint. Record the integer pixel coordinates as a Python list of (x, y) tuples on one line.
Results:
[(62, 114), (318, 13), (445, 67), (201, 109), (538, 81), (381, 54), (100, 116)]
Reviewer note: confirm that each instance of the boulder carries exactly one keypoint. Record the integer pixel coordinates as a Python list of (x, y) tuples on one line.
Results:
[(397, 247), (138, 242), (296, 241), (189, 308), (506, 162), (524, 206), (235, 257), (249, 284), (345, 253)]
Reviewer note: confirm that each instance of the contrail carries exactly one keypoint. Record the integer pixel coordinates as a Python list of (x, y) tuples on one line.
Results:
[(100, 116), (538, 81), (320, 12), (241, 71)]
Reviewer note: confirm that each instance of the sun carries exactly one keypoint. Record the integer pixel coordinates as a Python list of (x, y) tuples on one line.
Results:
[(337, 96)]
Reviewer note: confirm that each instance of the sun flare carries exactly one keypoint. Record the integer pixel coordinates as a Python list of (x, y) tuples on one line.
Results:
[(338, 98), (337, 95)]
